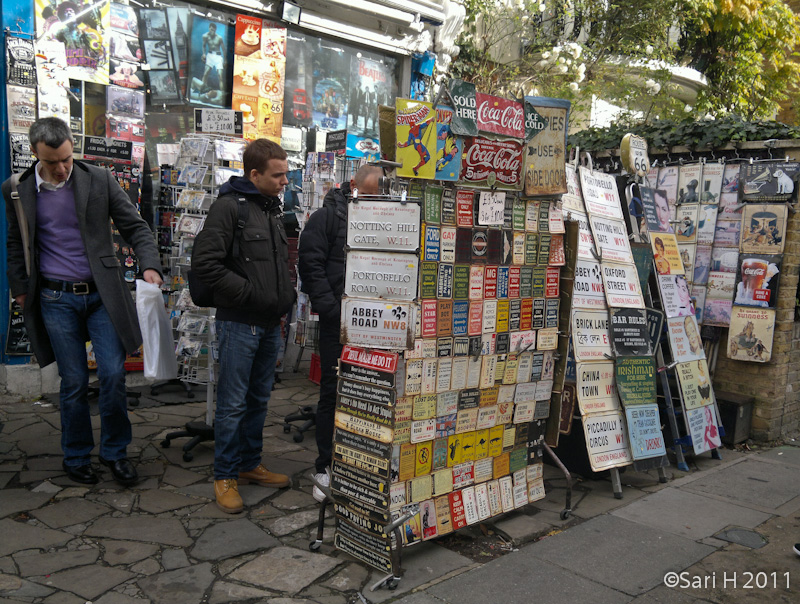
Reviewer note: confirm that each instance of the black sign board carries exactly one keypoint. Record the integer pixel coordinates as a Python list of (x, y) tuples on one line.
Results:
[(358, 551), (370, 376), (367, 392), (97, 146), (655, 324), (221, 121), (630, 335), (336, 141)]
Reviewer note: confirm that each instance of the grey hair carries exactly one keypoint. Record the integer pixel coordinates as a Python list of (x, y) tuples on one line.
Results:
[(51, 131)]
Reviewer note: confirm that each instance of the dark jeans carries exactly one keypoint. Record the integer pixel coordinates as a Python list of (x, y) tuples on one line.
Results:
[(247, 357), (329, 352), (71, 320)]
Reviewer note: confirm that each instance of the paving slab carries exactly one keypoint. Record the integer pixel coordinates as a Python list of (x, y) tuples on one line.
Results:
[(787, 454), (350, 577), (50, 445), (763, 485), (688, 514), (285, 569), (45, 463), (87, 581), (69, 512), (232, 538), (126, 552), (28, 477), (47, 487), (285, 525), (607, 549), (13, 501), (421, 597), (20, 588), (146, 567), (517, 577), (18, 536), (166, 531), (224, 592), (178, 477), (423, 563), (174, 558), (42, 564), (665, 595), (523, 528), (5, 478), (156, 501), (114, 597), (293, 500), (122, 501), (184, 586)]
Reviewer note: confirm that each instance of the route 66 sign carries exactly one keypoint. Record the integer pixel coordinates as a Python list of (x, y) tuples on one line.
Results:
[(633, 152)]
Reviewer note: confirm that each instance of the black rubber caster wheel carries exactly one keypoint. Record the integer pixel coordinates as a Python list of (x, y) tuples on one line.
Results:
[(165, 444), (565, 514), (188, 456)]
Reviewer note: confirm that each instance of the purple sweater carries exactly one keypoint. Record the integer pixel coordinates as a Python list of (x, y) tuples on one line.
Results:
[(62, 254)]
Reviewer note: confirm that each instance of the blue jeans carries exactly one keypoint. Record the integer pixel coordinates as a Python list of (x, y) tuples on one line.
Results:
[(247, 357), (71, 320)]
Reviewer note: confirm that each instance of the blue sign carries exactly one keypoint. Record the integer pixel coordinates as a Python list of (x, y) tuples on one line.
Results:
[(460, 318)]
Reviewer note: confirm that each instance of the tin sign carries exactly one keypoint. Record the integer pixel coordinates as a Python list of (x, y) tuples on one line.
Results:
[(600, 194), (376, 324), (497, 115), (381, 275), (586, 247), (611, 239), (621, 283), (491, 163), (590, 335), (464, 208), (606, 441), (595, 387), (545, 153), (644, 429), (630, 332), (363, 427), (385, 225), (636, 380), (588, 291)]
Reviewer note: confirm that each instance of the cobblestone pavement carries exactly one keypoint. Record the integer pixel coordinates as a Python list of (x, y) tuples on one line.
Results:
[(165, 541)]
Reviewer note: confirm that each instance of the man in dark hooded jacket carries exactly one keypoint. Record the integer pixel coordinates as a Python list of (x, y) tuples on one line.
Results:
[(252, 290), (321, 269)]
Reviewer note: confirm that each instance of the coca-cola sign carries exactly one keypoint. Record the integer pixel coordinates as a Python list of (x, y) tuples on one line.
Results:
[(500, 116), (492, 163)]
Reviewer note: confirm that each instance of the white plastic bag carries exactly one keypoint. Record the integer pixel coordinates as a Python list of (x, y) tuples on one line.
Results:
[(158, 347)]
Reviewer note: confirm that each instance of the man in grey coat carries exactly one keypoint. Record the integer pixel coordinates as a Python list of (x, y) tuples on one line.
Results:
[(63, 272)]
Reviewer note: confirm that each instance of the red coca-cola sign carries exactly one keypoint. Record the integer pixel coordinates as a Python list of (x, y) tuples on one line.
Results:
[(500, 116), (492, 163)]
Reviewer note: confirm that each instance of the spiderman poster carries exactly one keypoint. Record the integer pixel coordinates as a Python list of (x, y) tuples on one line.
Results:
[(416, 139)]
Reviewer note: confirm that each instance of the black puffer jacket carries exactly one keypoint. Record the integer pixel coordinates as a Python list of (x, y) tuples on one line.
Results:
[(254, 288), (321, 262)]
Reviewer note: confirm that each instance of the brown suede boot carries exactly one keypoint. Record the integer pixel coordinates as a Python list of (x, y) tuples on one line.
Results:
[(228, 498), (260, 475)]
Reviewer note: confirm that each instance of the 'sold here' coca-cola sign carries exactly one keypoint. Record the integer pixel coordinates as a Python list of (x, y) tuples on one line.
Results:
[(492, 163), (500, 116)]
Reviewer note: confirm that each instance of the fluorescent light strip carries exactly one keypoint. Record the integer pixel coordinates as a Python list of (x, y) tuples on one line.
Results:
[(350, 32), (377, 10)]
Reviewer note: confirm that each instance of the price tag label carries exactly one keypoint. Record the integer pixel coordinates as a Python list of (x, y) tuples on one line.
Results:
[(221, 121), (634, 154), (491, 208)]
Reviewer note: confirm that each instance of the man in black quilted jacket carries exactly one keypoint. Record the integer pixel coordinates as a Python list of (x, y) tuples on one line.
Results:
[(321, 269), (252, 290)]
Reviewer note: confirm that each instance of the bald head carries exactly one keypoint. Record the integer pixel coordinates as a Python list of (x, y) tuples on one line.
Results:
[(366, 180)]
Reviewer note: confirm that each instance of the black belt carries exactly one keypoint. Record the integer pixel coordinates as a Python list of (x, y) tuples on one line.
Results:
[(80, 288)]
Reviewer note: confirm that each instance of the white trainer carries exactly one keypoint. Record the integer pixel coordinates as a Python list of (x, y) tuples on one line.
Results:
[(325, 481)]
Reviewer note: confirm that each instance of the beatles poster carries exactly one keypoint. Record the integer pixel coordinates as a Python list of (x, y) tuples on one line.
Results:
[(750, 334), (415, 126), (763, 228), (449, 147), (757, 280), (83, 29), (370, 86), (210, 62)]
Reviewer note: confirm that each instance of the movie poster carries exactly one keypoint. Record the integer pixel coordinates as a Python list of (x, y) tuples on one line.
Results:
[(416, 137), (757, 280), (370, 86), (210, 68), (330, 70), (83, 29), (763, 228), (750, 334), (657, 213), (449, 147)]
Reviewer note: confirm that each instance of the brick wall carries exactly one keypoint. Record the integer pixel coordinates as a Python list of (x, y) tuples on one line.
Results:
[(775, 385)]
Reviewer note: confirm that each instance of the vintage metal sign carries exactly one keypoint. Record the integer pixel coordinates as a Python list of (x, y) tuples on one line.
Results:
[(621, 284), (636, 380), (588, 291), (611, 239), (366, 445), (595, 387), (368, 557), (684, 339), (377, 324), (497, 115), (359, 459), (644, 429), (600, 194), (381, 275), (465, 117), (590, 337), (372, 412), (367, 392), (363, 427), (490, 163), (606, 440), (545, 153), (630, 333), (384, 225)]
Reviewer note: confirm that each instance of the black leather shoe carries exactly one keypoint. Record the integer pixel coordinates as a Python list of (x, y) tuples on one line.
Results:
[(82, 474), (123, 471)]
